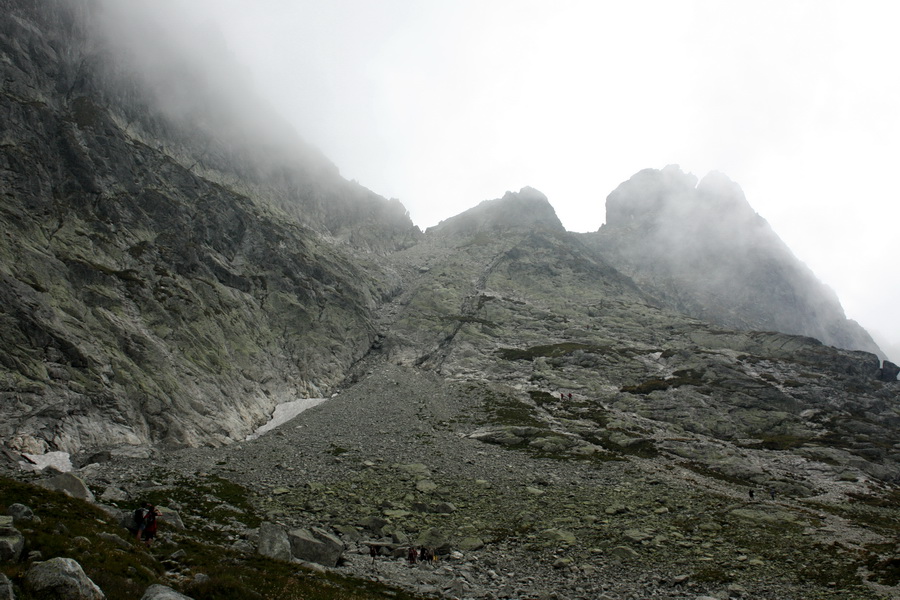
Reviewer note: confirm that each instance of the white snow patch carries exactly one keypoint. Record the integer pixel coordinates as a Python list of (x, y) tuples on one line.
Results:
[(61, 461), (284, 413)]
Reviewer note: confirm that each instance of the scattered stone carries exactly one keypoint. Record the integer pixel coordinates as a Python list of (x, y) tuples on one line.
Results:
[(623, 553), (115, 539), (470, 543), (426, 486), (415, 470), (243, 546), (443, 508), (559, 536), (349, 532), (114, 494), (178, 555), (637, 536), (373, 523)]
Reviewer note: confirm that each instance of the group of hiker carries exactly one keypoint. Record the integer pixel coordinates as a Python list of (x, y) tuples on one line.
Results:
[(752, 495), (413, 555), (422, 555)]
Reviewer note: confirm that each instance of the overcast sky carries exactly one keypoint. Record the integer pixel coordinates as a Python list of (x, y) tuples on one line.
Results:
[(443, 104)]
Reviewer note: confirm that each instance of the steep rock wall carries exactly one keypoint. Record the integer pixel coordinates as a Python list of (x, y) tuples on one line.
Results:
[(141, 301)]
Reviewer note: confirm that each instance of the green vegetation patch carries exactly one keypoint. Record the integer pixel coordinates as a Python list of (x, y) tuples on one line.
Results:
[(212, 498)]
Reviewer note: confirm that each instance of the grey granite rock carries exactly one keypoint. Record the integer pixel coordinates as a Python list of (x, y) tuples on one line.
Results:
[(61, 578)]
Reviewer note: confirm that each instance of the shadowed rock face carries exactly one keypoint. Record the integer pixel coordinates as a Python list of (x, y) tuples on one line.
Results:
[(701, 249)]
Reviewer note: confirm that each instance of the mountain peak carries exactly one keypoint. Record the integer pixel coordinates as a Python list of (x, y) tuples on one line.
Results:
[(700, 247), (671, 199), (526, 209)]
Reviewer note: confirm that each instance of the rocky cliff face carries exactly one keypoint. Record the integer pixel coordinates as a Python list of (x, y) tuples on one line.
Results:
[(144, 298), (699, 248)]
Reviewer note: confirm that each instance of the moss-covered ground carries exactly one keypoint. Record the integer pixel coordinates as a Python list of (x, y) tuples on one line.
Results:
[(123, 568)]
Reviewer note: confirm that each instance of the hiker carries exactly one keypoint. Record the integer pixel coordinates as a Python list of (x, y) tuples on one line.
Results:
[(750, 492), (411, 555), (570, 396), (423, 555), (562, 396), (139, 514), (772, 493), (146, 523), (373, 552)]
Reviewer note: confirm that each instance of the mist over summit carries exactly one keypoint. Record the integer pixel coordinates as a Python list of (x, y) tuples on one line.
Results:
[(700, 248), (559, 413)]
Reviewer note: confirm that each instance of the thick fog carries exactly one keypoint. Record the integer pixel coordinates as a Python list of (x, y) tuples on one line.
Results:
[(445, 104)]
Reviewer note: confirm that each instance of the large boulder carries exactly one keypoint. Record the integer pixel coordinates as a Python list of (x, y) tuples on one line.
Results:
[(61, 579), (20, 512), (68, 484), (315, 545), (273, 541), (170, 518), (161, 592), (11, 540)]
